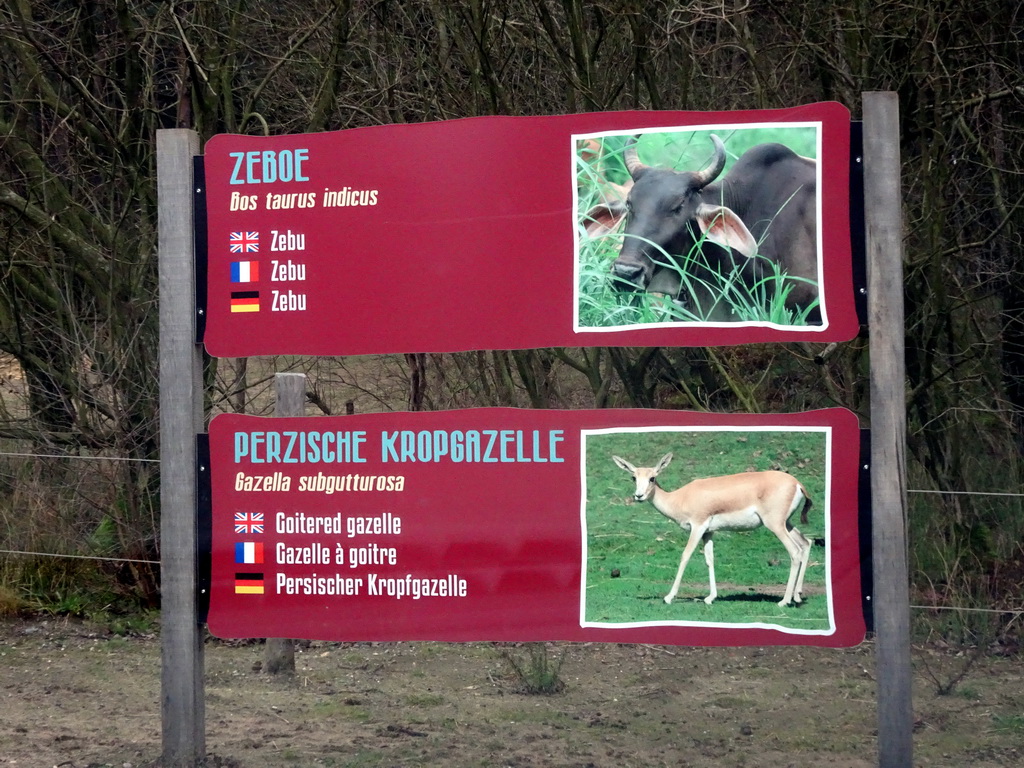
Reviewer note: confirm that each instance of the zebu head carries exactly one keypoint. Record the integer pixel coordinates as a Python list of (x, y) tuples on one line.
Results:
[(670, 212)]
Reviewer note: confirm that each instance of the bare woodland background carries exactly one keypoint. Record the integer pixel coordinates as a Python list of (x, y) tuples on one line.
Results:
[(85, 85)]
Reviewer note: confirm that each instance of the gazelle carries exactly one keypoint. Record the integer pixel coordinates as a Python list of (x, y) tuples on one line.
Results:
[(731, 503)]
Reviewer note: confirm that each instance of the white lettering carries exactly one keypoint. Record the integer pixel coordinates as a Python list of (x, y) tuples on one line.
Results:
[(385, 525), (287, 270), (288, 301), (287, 240)]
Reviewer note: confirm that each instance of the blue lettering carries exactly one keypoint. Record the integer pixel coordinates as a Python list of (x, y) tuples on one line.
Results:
[(241, 446), (313, 447), (329, 454), (256, 440), (507, 436), (358, 438), (553, 441), (492, 434), (288, 457), (536, 447), (286, 167), (273, 448), (408, 446), (269, 166), (238, 166), (387, 446), (252, 159), (301, 155)]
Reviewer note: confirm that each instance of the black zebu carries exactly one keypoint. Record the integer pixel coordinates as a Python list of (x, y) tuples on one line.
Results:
[(765, 207)]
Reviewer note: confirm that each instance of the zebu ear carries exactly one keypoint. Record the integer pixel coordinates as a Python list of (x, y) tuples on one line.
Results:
[(604, 218), (723, 227), (610, 198)]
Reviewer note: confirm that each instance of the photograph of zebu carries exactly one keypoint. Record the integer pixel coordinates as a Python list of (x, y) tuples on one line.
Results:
[(717, 226), (754, 500)]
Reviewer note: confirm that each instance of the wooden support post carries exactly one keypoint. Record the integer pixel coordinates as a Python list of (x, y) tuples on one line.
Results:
[(181, 418), (290, 394), (884, 224)]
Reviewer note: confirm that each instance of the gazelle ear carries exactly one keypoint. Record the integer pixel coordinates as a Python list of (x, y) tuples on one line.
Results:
[(623, 464), (663, 463)]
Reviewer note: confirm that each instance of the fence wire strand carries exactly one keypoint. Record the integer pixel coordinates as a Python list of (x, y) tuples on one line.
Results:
[(78, 557), (968, 493), (157, 562), (73, 456)]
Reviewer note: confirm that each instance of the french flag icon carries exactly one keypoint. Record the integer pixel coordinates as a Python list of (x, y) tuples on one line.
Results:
[(245, 271), (249, 552)]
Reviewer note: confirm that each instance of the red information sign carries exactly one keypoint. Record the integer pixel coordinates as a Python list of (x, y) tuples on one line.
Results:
[(511, 232), (505, 524)]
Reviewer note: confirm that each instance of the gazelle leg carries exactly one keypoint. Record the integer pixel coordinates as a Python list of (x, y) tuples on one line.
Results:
[(691, 544), (794, 571), (709, 558), (796, 561), (805, 545)]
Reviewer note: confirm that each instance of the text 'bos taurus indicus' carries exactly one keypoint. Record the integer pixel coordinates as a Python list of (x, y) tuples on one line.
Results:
[(704, 241)]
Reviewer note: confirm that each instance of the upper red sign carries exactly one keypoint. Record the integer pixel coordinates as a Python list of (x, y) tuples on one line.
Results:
[(625, 228)]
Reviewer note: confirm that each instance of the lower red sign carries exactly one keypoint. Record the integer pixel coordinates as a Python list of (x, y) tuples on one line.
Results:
[(517, 525)]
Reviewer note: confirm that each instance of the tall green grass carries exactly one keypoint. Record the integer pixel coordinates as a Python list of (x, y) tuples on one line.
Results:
[(57, 524), (633, 551), (602, 305)]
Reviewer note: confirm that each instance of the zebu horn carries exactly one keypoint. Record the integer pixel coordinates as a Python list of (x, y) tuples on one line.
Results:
[(631, 160), (710, 173)]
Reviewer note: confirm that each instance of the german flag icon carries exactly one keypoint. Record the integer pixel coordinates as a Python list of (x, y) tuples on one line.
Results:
[(248, 583), (245, 301)]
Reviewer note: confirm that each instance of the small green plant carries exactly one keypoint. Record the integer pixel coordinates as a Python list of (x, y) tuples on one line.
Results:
[(132, 624), (424, 700), (537, 672), (10, 603), (980, 630), (1011, 724)]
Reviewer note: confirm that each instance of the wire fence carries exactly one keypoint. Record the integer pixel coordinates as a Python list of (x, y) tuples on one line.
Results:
[(1003, 494), (157, 461), (997, 611), (82, 458), (78, 557), (968, 493)]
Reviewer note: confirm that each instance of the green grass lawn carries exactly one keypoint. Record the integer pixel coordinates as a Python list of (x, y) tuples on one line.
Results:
[(642, 548)]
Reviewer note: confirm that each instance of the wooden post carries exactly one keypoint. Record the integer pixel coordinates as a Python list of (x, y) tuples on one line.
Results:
[(181, 418), (884, 225), (290, 394)]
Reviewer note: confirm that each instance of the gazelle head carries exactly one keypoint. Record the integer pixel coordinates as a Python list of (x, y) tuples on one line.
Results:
[(644, 476)]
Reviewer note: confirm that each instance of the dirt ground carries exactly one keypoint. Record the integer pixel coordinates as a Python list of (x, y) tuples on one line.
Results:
[(73, 695)]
